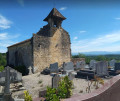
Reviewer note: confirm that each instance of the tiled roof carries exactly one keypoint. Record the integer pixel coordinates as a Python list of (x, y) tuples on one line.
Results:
[(19, 43), (54, 13)]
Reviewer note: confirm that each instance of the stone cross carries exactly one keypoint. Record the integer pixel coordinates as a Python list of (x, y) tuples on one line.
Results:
[(8, 76), (7, 80), (30, 70)]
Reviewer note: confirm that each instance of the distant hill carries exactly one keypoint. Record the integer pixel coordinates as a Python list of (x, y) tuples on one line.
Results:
[(98, 53)]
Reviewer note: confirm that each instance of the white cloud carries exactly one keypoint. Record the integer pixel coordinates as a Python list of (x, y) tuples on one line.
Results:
[(83, 31), (117, 18), (4, 23), (6, 36), (7, 40), (75, 38), (63, 8), (21, 2), (108, 42), (3, 36)]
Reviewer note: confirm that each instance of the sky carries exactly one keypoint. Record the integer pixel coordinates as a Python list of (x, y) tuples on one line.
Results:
[(93, 25)]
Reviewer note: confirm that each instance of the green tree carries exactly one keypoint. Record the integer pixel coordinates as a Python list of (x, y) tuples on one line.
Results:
[(100, 58), (3, 59), (1, 68), (81, 55)]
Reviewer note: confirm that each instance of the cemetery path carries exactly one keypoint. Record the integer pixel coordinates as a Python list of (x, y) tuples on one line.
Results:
[(36, 82), (80, 86)]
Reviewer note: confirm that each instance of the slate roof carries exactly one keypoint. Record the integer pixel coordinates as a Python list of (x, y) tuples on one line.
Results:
[(54, 13)]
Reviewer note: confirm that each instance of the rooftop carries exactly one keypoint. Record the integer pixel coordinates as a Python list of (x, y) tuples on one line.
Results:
[(54, 13)]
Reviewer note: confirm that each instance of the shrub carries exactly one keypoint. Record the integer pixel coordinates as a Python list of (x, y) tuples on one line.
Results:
[(1, 68), (52, 94), (27, 96), (64, 90)]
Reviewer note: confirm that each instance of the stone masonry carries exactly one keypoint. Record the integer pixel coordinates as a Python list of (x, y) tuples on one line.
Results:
[(49, 45)]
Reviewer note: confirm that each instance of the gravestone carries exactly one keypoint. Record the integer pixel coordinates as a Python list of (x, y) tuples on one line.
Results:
[(68, 66), (83, 64), (8, 76), (54, 68), (105, 68), (92, 64), (101, 68), (71, 76), (78, 65), (112, 63), (55, 81), (117, 66), (30, 70)]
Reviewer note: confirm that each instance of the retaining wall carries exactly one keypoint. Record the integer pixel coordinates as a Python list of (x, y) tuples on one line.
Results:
[(109, 92)]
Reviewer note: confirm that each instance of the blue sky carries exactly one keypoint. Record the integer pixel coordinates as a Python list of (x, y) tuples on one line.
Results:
[(93, 25)]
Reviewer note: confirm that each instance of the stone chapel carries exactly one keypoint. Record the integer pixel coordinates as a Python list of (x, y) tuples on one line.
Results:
[(49, 45)]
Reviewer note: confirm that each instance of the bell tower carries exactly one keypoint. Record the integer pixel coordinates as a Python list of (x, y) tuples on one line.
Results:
[(54, 18)]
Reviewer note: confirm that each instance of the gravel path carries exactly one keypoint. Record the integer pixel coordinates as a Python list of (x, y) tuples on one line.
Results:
[(36, 82)]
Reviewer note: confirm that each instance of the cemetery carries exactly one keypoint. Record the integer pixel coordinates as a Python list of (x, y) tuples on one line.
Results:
[(84, 77), (50, 73)]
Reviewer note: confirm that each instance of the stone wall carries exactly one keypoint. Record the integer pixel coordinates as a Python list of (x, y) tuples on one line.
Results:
[(74, 60), (41, 55), (51, 49), (42, 50), (60, 47), (21, 54)]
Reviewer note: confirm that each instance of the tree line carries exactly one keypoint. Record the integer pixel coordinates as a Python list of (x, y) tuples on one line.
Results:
[(3, 61), (97, 57)]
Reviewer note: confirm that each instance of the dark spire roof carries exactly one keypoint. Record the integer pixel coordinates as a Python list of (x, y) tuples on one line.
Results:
[(54, 13)]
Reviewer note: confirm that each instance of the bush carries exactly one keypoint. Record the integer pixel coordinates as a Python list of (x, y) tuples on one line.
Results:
[(68, 86), (1, 68), (64, 90), (52, 94), (27, 96)]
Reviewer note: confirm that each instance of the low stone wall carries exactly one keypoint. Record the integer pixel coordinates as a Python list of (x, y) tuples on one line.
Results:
[(109, 92), (74, 60)]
